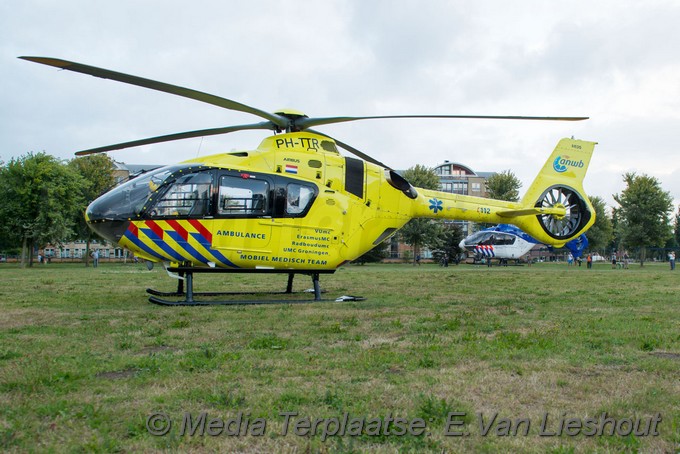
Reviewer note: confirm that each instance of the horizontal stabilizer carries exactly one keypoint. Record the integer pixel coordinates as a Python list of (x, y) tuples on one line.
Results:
[(555, 211)]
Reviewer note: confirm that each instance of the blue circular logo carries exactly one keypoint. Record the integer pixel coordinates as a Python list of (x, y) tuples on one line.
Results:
[(558, 166)]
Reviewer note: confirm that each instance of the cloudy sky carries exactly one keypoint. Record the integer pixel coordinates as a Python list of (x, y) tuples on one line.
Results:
[(617, 62)]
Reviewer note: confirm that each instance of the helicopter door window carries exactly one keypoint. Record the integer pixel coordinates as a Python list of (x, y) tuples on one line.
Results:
[(505, 240), (243, 196), (485, 239), (189, 196), (298, 198)]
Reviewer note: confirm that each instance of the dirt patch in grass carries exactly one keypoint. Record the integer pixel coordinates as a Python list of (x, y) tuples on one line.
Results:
[(667, 355), (117, 374)]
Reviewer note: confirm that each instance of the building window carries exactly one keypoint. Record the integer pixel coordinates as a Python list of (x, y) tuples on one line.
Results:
[(459, 188), (476, 187)]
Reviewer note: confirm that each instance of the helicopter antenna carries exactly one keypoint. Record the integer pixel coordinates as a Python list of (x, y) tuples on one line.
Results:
[(200, 144)]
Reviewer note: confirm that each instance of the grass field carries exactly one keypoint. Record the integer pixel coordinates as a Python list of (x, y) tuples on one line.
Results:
[(85, 361)]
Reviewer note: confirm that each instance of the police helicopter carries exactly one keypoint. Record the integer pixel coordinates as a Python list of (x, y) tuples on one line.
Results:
[(295, 204), (506, 242)]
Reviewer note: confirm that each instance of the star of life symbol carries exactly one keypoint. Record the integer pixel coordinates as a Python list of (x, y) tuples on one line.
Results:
[(436, 205)]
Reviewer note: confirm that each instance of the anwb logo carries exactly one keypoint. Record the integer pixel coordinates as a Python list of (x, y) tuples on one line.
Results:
[(561, 163)]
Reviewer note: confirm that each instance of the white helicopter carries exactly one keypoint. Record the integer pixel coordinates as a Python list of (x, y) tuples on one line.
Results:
[(507, 242)]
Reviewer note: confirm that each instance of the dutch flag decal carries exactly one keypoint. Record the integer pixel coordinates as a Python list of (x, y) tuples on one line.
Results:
[(291, 169)]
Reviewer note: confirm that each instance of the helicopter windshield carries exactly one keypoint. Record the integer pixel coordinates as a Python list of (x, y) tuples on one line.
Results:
[(127, 200)]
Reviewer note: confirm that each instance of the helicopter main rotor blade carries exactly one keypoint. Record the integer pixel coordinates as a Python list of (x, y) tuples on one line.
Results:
[(177, 136), (304, 123), (352, 150), (160, 86)]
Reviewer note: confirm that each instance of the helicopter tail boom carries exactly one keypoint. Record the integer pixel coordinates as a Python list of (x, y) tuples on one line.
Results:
[(554, 210)]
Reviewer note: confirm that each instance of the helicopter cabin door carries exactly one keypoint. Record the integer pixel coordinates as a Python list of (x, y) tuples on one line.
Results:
[(362, 183), (243, 211)]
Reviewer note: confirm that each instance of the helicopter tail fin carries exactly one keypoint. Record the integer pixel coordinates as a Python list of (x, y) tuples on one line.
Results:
[(557, 188)]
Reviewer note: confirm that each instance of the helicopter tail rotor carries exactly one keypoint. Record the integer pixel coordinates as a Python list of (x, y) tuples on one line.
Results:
[(557, 209)]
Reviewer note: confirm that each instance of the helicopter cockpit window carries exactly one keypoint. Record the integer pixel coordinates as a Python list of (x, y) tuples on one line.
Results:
[(495, 239), (243, 196), (188, 196), (298, 198), (487, 239), (128, 199), (505, 240)]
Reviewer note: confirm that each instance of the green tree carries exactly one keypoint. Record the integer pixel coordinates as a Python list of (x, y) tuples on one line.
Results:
[(39, 198), (448, 242), (615, 243), (644, 213), (422, 177), (504, 186), (501, 186), (600, 234), (675, 241), (97, 173), (421, 232)]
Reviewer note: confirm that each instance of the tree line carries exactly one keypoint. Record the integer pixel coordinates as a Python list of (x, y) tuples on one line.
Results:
[(43, 200)]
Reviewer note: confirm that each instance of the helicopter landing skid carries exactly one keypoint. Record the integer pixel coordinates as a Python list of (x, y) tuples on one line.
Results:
[(188, 296)]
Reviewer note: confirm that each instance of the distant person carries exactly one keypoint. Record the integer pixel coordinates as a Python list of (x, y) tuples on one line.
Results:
[(418, 259), (95, 258), (570, 259), (671, 259), (589, 261), (613, 261), (626, 260)]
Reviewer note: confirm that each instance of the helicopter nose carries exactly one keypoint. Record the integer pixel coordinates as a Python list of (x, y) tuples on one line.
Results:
[(108, 220), (109, 227), (109, 215), (111, 230)]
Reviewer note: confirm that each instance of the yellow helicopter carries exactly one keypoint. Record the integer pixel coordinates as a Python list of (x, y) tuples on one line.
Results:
[(296, 205)]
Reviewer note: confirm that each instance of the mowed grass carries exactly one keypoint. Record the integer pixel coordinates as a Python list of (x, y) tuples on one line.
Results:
[(85, 359)]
